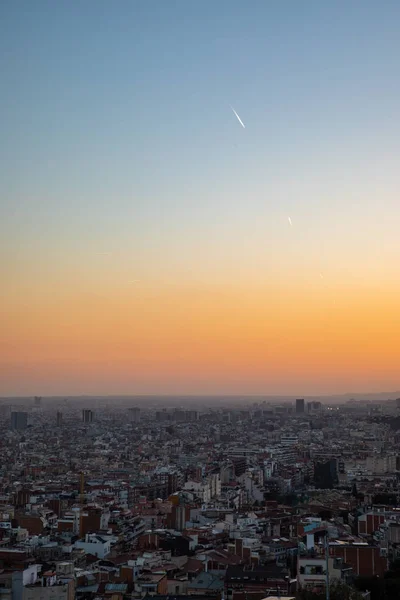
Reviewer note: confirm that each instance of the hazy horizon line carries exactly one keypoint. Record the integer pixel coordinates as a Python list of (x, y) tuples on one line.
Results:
[(221, 395)]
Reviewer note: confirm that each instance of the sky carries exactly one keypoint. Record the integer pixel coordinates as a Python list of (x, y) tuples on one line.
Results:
[(149, 244)]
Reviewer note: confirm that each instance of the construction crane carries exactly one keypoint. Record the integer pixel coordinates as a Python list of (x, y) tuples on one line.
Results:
[(81, 502)]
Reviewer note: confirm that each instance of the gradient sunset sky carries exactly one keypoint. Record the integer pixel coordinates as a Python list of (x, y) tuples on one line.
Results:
[(144, 235)]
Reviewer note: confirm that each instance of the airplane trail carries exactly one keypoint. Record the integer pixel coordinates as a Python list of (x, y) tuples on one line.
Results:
[(238, 118)]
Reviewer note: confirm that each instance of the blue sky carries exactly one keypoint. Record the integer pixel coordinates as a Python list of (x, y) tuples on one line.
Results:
[(131, 99), (116, 122)]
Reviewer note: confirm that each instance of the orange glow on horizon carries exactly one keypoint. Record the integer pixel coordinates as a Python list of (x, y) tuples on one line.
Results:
[(216, 338)]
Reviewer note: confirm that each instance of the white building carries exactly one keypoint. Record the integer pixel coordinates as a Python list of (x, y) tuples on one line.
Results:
[(94, 544), (205, 490)]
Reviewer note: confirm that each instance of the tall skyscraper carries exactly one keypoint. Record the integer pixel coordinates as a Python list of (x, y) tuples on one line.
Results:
[(300, 405), (87, 416), (19, 421), (134, 414), (59, 418), (37, 400)]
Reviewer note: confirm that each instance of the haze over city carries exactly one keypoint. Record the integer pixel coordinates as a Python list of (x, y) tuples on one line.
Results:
[(156, 242)]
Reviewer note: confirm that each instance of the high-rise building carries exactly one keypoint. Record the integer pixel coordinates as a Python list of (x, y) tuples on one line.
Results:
[(19, 421), (325, 474), (134, 414), (185, 416), (314, 406), (163, 415), (300, 405), (192, 415), (37, 400), (59, 418), (87, 416)]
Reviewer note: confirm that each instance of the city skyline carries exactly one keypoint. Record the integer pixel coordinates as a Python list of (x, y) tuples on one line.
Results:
[(153, 245)]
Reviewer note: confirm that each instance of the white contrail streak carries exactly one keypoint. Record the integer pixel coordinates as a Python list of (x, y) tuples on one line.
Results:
[(238, 118), (290, 221)]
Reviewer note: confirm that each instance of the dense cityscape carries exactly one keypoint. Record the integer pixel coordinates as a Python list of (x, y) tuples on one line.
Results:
[(146, 497)]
